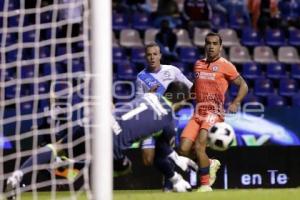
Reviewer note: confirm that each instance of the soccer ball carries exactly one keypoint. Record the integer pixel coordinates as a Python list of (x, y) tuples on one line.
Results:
[(220, 136)]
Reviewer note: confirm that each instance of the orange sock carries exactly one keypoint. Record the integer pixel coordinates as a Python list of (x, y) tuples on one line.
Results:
[(204, 179)]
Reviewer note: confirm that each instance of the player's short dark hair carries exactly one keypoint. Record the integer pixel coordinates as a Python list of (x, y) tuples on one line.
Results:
[(152, 44), (177, 91), (214, 34)]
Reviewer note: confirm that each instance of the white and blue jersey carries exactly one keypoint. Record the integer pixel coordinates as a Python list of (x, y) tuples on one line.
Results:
[(167, 74), (141, 118), (146, 80)]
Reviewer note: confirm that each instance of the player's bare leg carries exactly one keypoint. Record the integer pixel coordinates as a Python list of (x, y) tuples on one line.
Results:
[(185, 147), (203, 160), (148, 156)]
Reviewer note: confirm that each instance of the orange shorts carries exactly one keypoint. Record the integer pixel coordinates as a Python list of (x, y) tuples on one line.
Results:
[(198, 122)]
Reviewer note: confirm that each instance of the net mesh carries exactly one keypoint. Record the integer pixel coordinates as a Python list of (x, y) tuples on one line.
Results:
[(44, 58)]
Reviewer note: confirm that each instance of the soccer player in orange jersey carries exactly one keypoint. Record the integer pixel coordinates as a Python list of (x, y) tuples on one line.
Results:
[(213, 74)]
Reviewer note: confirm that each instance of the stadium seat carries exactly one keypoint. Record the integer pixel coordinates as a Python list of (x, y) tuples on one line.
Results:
[(150, 35), (27, 89), (199, 36), (274, 37), (218, 21), (26, 107), (11, 38), (264, 54), (237, 20), (123, 91), (183, 39), (61, 67), (45, 51), (276, 70), (295, 71), (77, 97), (252, 70), (288, 55), (13, 21), (184, 67), (138, 55), (78, 65), (29, 36), (27, 71), (45, 69), (43, 105), (275, 100), (44, 87), (10, 73), (294, 37), (120, 21), (130, 38), (115, 42), (141, 21), (288, 87), (239, 54), (13, 5), (296, 100), (251, 98), (9, 111), (188, 54), (223, 53), (10, 92), (11, 56), (60, 49), (229, 37), (263, 87), (250, 37), (27, 53), (126, 70), (46, 17), (119, 54), (233, 90), (45, 34), (26, 125), (77, 47)]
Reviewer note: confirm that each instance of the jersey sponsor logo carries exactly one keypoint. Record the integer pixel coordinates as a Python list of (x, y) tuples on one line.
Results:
[(205, 75), (151, 81), (166, 76), (215, 68)]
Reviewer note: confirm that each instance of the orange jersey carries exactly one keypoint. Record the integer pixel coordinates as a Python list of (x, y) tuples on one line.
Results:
[(211, 83)]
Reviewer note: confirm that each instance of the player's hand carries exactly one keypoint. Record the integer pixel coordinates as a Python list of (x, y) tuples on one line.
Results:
[(233, 107), (185, 163), (179, 184), (154, 88), (182, 162)]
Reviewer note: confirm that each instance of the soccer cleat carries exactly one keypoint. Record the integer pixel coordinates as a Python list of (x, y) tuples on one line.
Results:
[(65, 171), (204, 188), (68, 173), (213, 169), (12, 182)]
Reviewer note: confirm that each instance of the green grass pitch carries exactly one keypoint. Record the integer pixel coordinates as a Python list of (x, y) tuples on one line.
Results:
[(233, 194), (237, 194)]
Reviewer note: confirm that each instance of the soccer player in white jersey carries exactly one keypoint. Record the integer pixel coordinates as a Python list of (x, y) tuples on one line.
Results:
[(156, 78)]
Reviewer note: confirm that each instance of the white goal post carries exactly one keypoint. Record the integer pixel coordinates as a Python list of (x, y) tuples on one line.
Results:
[(55, 81)]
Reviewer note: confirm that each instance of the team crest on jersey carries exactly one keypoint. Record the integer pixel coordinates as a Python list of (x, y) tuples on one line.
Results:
[(167, 74), (215, 68)]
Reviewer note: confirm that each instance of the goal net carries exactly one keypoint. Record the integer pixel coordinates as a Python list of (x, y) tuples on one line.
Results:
[(45, 89)]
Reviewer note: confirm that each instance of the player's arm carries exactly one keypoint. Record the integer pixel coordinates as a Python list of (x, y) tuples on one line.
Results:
[(182, 78), (242, 92)]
